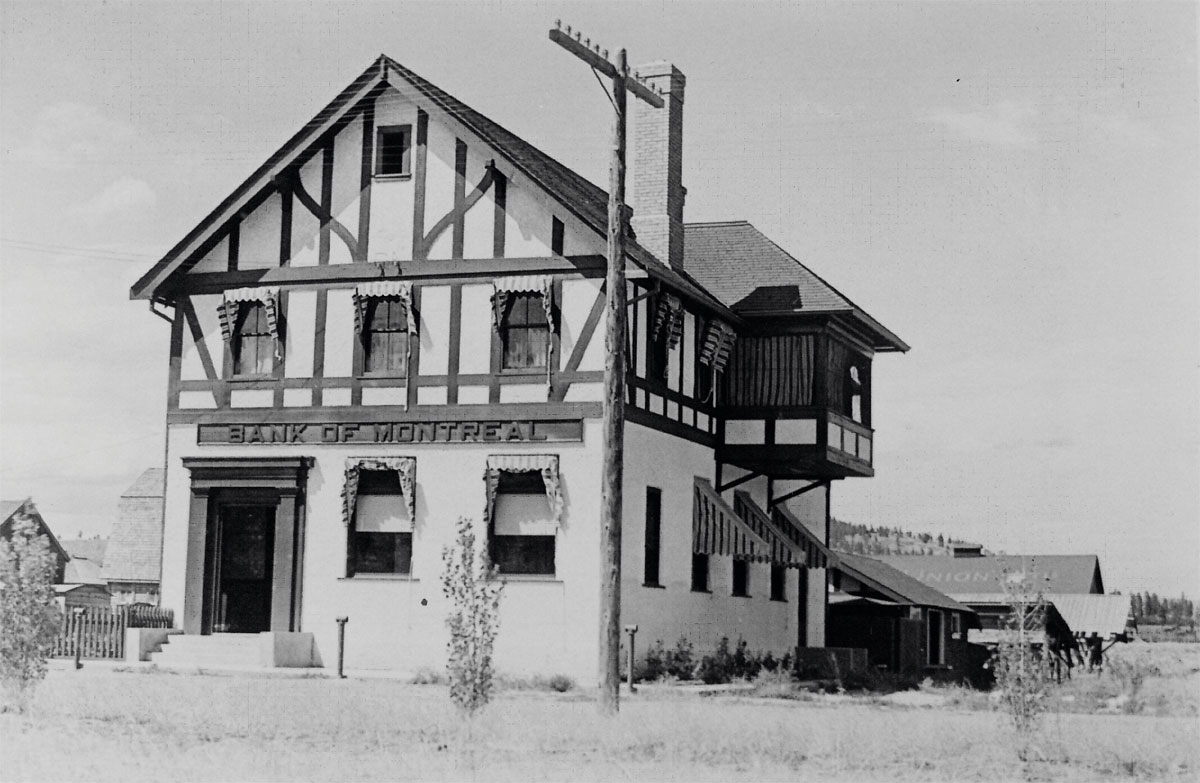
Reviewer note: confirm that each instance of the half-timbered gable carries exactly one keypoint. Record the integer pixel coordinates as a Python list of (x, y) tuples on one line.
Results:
[(397, 321)]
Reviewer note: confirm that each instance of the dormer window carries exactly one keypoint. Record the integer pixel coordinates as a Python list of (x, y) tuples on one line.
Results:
[(393, 151)]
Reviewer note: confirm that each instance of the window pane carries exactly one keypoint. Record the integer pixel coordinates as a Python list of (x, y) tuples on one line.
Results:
[(523, 554), (741, 577), (393, 153), (778, 583), (382, 553), (653, 534)]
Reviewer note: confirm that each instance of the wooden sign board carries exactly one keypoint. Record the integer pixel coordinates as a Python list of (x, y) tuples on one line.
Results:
[(439, 432)]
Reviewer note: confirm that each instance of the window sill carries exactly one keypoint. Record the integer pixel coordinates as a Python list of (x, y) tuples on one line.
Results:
[(706, 592), (379, 578), (549, 579), (258, 378), (382, 376), (392, 177), (779, 600), (740, 595), (517, 371), (654, 585)]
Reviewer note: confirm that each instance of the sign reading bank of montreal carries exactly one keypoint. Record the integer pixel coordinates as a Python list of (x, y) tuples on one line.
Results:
[(484, 431)]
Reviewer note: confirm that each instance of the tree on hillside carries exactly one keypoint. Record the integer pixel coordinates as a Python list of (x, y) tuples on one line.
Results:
[(29, 617)]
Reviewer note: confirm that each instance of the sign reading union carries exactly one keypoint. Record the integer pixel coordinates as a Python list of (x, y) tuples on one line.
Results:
[(488, 431)]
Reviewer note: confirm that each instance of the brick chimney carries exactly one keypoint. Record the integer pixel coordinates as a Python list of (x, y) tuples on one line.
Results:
[(656, 189)]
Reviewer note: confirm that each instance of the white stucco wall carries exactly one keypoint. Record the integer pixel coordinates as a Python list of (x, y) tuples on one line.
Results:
[(547, 625)]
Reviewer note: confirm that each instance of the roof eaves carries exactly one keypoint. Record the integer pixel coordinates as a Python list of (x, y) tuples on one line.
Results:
[(148, 284)]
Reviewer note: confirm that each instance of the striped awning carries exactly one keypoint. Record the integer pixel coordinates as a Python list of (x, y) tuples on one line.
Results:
[(718, 342), (228, 310), (782, 550), (545, 464), (668, 317), (406, 470), (381, 289), (816, 554), (523, 284), (717, 529)]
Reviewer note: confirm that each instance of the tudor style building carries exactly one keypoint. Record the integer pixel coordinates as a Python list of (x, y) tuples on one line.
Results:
[(394, 322)]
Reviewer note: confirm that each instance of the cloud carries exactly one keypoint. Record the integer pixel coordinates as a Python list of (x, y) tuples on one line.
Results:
[(124, 197), (67, 134), (1005, 123)]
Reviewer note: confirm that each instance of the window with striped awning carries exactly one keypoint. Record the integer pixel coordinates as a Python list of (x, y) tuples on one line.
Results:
[(717, 529), (782, 551), (816, 554), (233, 299)]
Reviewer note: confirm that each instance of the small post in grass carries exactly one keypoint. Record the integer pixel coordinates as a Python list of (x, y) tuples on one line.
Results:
[(632, 631), (341, 621), (78, 636)]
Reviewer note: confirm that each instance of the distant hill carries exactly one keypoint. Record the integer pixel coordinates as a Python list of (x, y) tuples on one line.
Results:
[(867, 540)]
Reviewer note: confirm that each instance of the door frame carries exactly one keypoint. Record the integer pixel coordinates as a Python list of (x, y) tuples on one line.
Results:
[(215, 532), (218, 480)]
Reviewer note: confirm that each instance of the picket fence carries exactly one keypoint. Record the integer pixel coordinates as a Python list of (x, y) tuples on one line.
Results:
[(100, 633)]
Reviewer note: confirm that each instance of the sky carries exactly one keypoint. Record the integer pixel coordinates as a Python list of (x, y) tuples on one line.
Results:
[(1012, 188)]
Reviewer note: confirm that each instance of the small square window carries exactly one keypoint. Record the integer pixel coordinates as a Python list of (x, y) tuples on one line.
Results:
[(393, 156)]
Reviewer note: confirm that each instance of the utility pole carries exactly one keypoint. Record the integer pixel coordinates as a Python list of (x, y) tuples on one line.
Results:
[(614, 362)]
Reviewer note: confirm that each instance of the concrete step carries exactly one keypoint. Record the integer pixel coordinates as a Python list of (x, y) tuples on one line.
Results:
[(215, 651)]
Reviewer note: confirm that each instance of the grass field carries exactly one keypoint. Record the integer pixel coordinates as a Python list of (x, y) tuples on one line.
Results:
[(100, 724)]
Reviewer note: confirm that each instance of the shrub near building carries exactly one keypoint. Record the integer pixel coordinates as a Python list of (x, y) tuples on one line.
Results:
[(29, 617)]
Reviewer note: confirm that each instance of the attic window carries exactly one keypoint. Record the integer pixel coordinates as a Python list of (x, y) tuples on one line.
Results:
[(393, 151)]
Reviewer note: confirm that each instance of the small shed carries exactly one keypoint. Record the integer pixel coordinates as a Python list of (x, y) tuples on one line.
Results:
[(905, 626)]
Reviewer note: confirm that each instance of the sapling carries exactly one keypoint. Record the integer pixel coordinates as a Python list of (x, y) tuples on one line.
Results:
[(469, 581)]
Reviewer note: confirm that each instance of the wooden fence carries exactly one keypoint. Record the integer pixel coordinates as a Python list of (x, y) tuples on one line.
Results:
[(99, 633)]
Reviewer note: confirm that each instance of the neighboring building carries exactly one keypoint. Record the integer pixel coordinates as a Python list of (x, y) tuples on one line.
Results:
[(82, 585), (398, 320), (977, 580), (905, 625), (133, 563), (11, 510)]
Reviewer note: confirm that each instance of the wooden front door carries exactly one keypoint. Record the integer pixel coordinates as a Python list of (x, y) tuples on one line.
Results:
[(238, 589)]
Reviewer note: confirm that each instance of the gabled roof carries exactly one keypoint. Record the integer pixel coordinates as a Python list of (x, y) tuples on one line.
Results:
[(86, 548), (10, 508), (984, 576), (1103, 615), (896, 585), (135, 544), (755, 277), (586, 201)]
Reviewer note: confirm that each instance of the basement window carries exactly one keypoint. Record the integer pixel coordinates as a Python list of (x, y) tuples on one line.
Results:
[(393, 151)]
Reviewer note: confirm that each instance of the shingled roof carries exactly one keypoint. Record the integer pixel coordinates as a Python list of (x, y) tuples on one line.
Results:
[(980, 579), (754, 276), (895, 584), (135, 546)]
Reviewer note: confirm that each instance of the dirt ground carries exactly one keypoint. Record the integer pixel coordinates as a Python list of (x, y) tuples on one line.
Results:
[(100, 724)]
